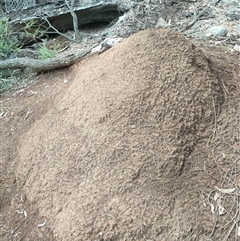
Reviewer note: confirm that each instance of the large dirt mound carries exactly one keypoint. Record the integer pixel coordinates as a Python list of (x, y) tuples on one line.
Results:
[(108, 161)]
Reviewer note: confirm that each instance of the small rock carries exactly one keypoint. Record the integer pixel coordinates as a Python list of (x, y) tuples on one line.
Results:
[(168, 3), (236, 48), (216, 31), (161, 23)]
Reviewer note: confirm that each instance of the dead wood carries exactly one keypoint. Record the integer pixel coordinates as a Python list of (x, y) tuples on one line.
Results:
[(42, 65)]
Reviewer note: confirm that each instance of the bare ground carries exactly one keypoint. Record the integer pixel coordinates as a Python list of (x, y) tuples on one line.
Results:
[(140, 142)]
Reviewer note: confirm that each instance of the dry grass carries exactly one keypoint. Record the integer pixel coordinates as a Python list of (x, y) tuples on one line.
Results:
[(224, 203)]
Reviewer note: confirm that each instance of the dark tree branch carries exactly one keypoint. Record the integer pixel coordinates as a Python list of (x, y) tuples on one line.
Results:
[(56, 31), (75, 19)]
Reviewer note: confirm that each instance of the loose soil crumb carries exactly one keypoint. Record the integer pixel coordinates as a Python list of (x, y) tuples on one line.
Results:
[(122, 150)]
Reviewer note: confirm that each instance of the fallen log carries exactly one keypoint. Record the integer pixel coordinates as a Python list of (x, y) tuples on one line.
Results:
[(39, 66)]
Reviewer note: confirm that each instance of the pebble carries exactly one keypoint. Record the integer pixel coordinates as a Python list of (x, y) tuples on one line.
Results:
[(236, 48), (161, 23), (216, 31)]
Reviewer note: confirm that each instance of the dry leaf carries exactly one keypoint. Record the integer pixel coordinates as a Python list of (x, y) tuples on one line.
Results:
[(212, 208), (226, 190), (221, 210), (19, 212), (216, 196), (22, 198), (42, 224)]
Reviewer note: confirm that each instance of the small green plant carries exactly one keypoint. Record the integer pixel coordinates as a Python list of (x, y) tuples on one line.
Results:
[(8, 44), (8, 79), (32, 30), (12, 39), (46, 53)]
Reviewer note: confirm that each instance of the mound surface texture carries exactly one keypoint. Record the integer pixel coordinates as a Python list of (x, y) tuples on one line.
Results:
[(110, 160)]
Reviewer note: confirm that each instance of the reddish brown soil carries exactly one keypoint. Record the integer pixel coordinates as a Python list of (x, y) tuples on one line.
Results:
[(125, 145)]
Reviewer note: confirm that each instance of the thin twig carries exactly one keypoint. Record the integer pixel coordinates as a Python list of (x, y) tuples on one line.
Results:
[(56, 31)]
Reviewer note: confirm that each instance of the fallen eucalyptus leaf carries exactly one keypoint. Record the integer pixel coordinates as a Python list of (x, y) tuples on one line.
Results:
[(212, 208), (226, 190), (42, 224), (216, 196)]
